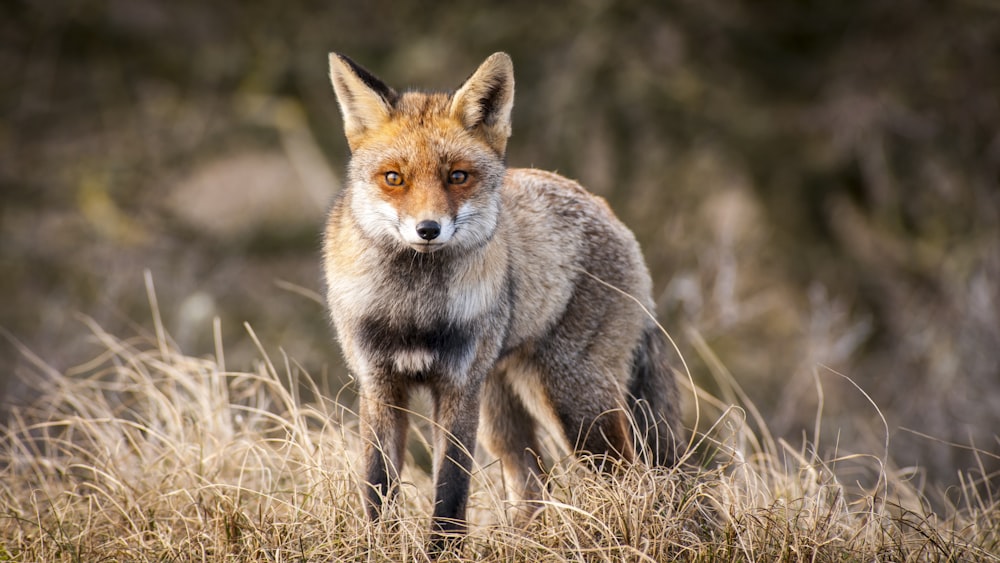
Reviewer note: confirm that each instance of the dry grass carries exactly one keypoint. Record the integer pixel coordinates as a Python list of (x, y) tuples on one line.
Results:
[(145, 454)]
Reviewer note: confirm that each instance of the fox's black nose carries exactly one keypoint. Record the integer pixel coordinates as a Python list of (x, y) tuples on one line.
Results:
[(428, 230)]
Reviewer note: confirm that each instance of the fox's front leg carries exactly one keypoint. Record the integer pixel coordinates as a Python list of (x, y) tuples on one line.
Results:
[(383, 429), (456, 419)]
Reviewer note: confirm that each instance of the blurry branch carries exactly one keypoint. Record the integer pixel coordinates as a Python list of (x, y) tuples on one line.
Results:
[(951, 444), (287, 116), (300, 291)]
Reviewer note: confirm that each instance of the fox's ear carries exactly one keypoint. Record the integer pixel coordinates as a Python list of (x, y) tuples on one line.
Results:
[(365, 101), (484, 101)]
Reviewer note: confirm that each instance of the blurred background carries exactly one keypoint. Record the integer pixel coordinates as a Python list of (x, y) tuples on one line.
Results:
[(816, 185)]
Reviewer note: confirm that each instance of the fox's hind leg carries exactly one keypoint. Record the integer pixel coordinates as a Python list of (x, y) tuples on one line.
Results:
[(593, 420), (509, 432), (583, 364)]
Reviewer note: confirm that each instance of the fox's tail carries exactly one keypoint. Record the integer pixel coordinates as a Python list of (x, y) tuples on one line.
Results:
[(654, 401)]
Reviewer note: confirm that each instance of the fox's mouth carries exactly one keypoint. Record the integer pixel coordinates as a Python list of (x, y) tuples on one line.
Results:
[(426, 247)]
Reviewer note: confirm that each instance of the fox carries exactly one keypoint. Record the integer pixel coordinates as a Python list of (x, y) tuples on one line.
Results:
[(515, 296)]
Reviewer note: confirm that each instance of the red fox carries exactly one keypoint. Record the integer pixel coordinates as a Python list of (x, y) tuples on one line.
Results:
[(515, 296)]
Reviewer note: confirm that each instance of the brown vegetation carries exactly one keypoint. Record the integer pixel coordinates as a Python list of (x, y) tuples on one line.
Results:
[(145, 454)]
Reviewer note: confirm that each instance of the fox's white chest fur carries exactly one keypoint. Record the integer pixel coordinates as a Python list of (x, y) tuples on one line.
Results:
[(418, 315)]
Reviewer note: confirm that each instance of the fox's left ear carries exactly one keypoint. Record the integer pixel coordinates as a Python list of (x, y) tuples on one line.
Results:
[(483, 103)]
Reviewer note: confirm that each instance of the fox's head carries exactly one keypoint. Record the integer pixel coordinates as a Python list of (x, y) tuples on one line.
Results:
[(426, 168)]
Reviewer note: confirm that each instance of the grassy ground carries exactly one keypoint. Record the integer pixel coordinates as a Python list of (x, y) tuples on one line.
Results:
[(146, 454)]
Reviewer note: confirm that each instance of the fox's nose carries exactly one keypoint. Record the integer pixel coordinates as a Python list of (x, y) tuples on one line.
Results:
[(428, 230)]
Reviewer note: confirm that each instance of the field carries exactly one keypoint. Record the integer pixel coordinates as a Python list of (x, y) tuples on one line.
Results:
[(813, 185), (147, 454)]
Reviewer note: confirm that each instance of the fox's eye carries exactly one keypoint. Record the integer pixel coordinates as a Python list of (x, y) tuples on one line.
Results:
[(458, 177), (393, 179)]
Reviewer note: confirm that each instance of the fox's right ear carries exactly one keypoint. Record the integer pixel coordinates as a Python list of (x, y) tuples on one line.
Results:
[(365, 101)]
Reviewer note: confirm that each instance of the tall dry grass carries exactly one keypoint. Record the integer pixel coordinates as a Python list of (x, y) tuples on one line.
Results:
[(146, 454)]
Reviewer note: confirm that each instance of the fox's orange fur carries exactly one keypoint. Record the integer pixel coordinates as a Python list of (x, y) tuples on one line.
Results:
[(489, 287)]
